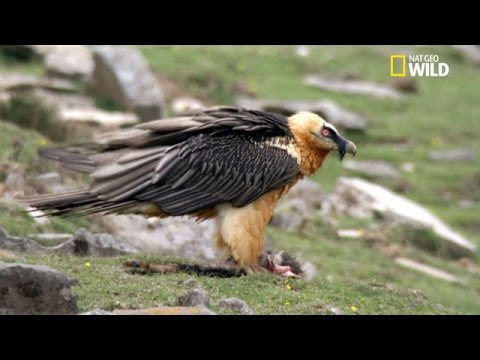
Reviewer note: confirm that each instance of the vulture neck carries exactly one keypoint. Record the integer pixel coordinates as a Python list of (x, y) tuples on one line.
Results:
[(312, 156)]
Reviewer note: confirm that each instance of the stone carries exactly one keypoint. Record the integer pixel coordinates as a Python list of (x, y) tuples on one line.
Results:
[(35, 290), (171, 236), (371, 168), (71, 61), (122, 74), (61, 100), (302, 203), (18, 81), (471, 52), (193, 297), (13, 243), (106, 119), (167, 310), (352, 86), (453, 155), (183, 104), (236, 305), (84, 243), (426, 269), (350, 233), (50, 182), (97, 312), (327, 109), (363, 199)]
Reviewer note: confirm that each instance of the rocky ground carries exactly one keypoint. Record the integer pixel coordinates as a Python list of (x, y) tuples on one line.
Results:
[(393, 231)]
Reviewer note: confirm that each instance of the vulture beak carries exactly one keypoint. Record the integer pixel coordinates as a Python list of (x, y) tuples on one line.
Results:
[(345, 146)]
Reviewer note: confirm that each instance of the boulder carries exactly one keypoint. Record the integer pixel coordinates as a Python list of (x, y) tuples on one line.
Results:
[(453, 155), (122, 74), (84, 243), (70, 61), (19, 81), (236, 305), (35, 290), (362, 199), (171, 236), (427, 270), (372, 168), (193, 297), (302, 203), (327, 109), (352, 86), (13, 243)]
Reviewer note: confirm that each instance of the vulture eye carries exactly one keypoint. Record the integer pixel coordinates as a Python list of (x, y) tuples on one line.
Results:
[(325, 132)]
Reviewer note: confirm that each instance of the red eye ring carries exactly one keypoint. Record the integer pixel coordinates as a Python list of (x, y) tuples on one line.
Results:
[(325, 132)]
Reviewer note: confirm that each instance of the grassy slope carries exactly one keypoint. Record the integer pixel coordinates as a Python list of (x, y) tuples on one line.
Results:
[(442, 115)]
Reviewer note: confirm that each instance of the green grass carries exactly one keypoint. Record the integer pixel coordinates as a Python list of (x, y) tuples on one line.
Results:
[(442, 115)]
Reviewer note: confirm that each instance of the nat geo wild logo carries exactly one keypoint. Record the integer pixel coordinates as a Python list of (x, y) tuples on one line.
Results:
[(417, 65)]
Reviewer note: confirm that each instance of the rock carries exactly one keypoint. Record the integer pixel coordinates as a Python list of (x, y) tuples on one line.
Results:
[(327, 109), (106, 119), (302, 203), (408, 167), (50, 182), (18, 81), (84, 243), (9, 255), (372, 168), (183, 104), (351, 233), (236, 305), (62, 100), (426, 269), (71, 61), (167, 310), (35, 290), (28, 51), (97, 312), (193, 297), (171, 236), (302, 51), (362, 199), (13, 243), (47, 239), (471, 52), (353, 86), (15, 181), (453, 155), (122, 74)]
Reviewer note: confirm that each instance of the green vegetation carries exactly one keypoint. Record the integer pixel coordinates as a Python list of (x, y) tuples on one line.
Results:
[(353, 274)]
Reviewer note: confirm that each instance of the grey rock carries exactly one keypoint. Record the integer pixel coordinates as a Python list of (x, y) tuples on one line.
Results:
[(18, 244), (352, 86), (122, 74), (237, 305), (327, 109), (471, 52), (453, 155), (50, 182), (171, 236), (19, 81), (193, 297), (35, 290), (84, 243), (71, 61), (97, 312), (427, 270), (106, 119), (183, 104), (363, 199), (372, 168), (62, 100), (302, 203), (167, 310)]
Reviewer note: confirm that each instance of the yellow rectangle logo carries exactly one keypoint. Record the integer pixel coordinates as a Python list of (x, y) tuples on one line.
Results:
[(392, 65)]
